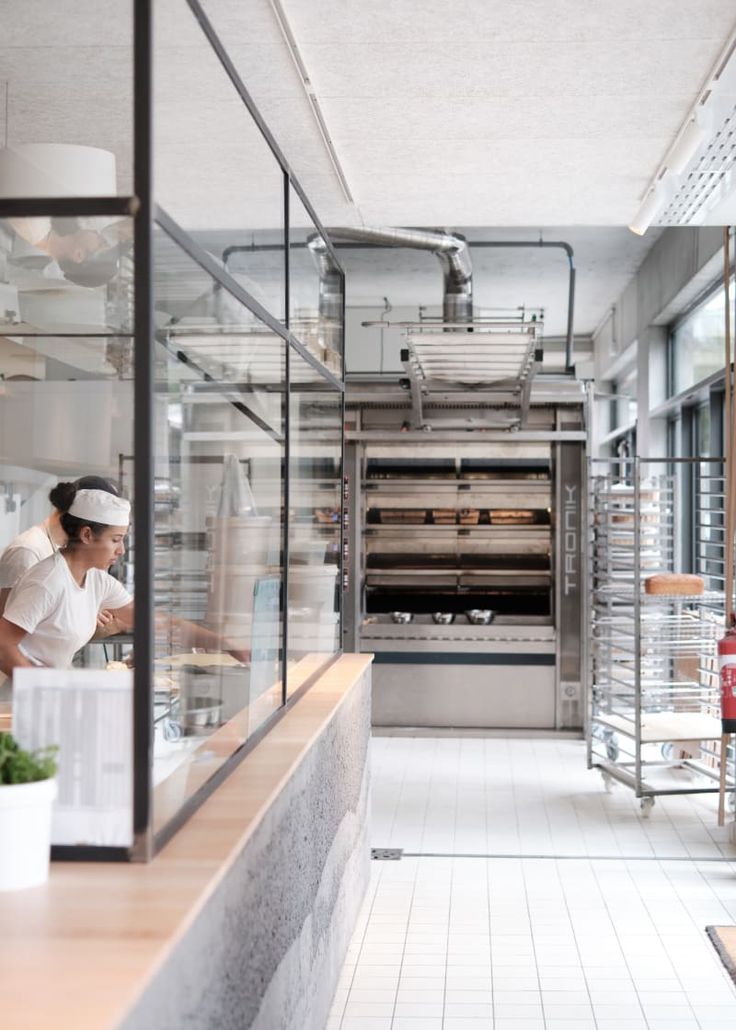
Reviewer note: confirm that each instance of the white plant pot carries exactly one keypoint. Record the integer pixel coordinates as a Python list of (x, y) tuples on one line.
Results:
[(25, 832)]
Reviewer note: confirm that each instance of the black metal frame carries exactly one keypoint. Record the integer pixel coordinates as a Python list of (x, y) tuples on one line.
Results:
[(146, 217), (143, 385)]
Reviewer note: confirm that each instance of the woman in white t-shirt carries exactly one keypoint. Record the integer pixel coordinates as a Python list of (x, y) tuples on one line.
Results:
[(52, 611), (41, 541)]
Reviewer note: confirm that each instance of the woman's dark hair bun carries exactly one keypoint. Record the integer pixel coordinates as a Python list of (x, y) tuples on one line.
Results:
[(63, 495)]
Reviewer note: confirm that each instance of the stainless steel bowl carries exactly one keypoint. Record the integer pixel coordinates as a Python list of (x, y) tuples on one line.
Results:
[(480, 616), (401, 617), (443, 618)]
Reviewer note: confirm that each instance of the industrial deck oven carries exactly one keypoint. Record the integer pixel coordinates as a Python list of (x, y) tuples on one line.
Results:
[(465, 560)]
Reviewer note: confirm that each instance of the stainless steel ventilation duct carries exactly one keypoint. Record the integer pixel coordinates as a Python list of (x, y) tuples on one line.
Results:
[(452, 251)]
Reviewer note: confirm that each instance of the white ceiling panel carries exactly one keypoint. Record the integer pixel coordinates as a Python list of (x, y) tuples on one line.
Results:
[(79, 23), (509, 21), (557, 159), (571, 102), (541, 69), (494, 118)]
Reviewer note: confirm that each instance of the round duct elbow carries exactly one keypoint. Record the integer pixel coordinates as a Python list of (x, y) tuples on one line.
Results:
[(451, 249)]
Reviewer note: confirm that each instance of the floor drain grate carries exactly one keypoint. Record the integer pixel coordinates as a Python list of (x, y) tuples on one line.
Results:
[(386, 854)]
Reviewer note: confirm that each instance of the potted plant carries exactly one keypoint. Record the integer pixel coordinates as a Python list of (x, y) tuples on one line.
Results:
[(27, 792)]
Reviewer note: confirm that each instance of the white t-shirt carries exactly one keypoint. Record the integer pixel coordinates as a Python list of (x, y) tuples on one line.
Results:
[(23, 553), (58, 615)]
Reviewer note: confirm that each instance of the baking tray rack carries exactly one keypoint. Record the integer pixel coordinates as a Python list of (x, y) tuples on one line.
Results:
[(654, 714)]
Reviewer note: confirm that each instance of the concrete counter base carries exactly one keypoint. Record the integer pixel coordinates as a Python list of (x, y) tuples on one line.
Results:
[(242, 922)]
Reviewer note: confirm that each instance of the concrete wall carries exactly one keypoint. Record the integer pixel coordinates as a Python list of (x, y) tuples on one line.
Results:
[(266, 951)]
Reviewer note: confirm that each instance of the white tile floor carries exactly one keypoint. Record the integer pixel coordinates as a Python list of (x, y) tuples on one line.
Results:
[(488, 926)]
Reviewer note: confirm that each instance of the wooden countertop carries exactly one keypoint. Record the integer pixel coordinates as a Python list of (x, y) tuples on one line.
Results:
[(76, 953)]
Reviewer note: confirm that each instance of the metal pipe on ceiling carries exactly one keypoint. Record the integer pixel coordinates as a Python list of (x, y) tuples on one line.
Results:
[(455, 254), (450, 248), (560, 245)]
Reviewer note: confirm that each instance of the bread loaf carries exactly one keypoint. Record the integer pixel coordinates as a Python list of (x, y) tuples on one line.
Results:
[(511, 517), (673, 583), (469, 516)]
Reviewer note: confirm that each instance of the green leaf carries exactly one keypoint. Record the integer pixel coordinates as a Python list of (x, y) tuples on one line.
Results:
[(20, 766)]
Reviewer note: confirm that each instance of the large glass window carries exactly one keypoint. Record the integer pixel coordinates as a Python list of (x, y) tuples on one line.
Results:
[(238, 433), (215, 174), (66, 412), (218, 539), (314, 521), (697, 345), (624, 407), (316, 287)]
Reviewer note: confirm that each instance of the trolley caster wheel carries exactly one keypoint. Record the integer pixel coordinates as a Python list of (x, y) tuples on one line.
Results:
[(646, 804), (731, 802), (612, 749), (607, 782), (732, 833)]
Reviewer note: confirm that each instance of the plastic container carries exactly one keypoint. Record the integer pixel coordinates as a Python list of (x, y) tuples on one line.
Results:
[(232, 590), (245, 540), (315, 632), (313, 586), (25, 832)]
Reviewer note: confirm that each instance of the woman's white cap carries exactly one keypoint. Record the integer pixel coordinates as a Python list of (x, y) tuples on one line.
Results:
[(100, 506)]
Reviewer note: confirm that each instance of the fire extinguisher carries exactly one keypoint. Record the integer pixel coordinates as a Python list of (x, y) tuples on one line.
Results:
[(727, 671)]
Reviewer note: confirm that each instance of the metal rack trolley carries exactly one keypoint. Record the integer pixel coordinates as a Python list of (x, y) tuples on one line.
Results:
[(654, 716)]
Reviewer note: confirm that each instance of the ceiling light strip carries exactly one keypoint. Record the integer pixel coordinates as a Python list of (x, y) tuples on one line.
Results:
[(301, 68), (659, 194)]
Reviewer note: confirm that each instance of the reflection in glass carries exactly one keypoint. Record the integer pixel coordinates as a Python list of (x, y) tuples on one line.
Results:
[(214, 172), (66, 86), (314, 522), (218, 526), (316, 288), (66, 360), (67, 274)]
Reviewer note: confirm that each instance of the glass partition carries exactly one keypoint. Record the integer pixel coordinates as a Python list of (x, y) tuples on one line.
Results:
[(316, 288), (66, 99), (315, 479), (192, 387), (219, 412), (696, 345), (66, 412), (215, 174)]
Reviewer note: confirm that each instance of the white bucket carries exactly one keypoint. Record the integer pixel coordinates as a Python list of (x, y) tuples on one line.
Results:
[(245, 540), (316, 632), (312, 586), (232, 589), (25, 832)]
